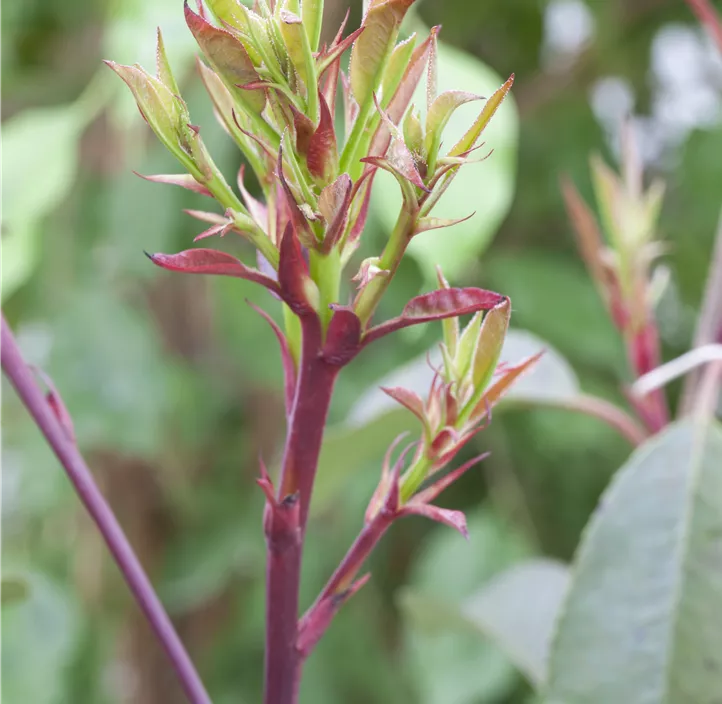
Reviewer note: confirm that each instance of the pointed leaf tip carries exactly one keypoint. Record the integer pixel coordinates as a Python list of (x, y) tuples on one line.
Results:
[(437, 305), (211, 261)]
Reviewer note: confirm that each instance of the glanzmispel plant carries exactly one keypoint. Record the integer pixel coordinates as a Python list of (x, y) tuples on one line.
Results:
[(276, 90)]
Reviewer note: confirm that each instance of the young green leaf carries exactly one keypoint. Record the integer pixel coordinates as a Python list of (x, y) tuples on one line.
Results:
[(312, 15), (372, 48)]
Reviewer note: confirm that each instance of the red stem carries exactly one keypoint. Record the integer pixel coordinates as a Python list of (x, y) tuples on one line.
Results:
[(285, 529), (644, 355), (318, 618), (21, 377), (707, 15)]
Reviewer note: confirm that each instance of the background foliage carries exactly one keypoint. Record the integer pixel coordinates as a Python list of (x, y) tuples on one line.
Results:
[(174, 384)]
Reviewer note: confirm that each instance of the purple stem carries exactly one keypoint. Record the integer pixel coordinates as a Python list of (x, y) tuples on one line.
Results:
[(315, 621), (284, 530), (21, 377)]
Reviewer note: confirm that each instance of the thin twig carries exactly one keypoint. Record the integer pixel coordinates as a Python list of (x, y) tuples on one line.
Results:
[(22, 379)]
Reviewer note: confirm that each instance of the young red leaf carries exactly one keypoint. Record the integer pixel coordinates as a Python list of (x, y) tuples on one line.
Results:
[(304, 129), (220, 229), (437, 305), (298, 219), (211, 261), (408, 399), (293, 273), (360, 222), (204, 216), (182, 180), (322, 156), (342, 337), (333, 203), (453, 519)]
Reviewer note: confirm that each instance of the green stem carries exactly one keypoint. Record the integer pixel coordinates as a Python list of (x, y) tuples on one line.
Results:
[(326, 273), (413, 478), (390, 259), (357, 131)]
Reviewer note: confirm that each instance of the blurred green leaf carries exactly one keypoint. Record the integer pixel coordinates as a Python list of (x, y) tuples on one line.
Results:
[(448, 662), (39, 636), (518, 610), (201, 565), (105, 361), (39, 163), (486, 189), (642, 621), (14, 590)]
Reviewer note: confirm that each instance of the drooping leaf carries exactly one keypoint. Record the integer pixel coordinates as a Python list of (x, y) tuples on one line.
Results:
[(518, 610), (642, 621)]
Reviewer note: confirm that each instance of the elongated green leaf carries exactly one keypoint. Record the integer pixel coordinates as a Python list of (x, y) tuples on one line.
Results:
[(374, 45), (312, 15), (518, 610), (643, 622)]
